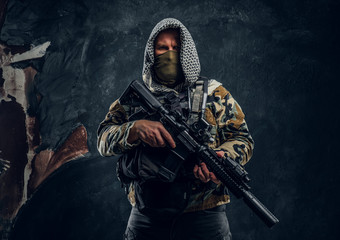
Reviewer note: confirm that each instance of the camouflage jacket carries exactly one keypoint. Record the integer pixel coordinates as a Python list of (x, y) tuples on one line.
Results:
[(229, 130)]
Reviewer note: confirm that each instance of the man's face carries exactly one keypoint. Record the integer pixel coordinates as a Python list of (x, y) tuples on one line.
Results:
[(167, 40)]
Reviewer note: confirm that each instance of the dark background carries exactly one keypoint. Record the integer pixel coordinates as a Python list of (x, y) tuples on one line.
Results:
[(279, 59)]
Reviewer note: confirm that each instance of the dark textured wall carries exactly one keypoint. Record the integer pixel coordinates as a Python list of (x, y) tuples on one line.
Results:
[(279, 59)]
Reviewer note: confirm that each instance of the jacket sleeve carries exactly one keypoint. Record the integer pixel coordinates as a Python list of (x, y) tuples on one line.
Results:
[(114, 130), (231, 130)]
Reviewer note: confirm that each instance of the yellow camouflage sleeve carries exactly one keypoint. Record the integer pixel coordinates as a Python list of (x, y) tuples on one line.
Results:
[(229, 126), (114, 130)]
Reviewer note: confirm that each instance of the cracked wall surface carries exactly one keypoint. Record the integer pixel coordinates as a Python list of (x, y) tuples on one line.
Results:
[(64, 62)]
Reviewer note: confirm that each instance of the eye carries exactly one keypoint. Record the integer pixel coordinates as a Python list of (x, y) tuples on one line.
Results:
[(162, 47)]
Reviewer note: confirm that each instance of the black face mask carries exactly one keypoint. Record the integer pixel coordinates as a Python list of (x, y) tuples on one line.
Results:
[(168, 69)]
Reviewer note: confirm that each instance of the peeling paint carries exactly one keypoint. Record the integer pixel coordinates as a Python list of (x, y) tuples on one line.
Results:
[(36, 52), (47, 161), (14, 85), (4, 165), (16, 82)]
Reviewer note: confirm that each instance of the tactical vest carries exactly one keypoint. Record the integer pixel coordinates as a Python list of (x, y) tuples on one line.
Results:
[(161, 177)]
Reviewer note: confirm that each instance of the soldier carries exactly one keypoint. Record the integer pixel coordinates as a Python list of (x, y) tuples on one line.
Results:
[(191, 206)]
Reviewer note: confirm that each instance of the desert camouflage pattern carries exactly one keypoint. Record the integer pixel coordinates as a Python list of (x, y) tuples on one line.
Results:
[(229, 130), (229, 127), (231, 135)]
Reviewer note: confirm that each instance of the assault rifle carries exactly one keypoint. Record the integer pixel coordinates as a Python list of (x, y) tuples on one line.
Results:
[(194, 140)]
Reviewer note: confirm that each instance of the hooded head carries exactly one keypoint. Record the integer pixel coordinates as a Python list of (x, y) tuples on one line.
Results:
[(189, 62)]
